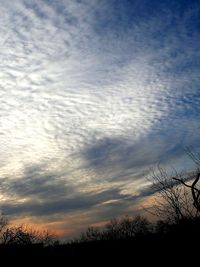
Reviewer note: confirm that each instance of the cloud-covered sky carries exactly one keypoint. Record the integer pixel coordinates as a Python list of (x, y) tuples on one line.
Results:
[(92, 94)]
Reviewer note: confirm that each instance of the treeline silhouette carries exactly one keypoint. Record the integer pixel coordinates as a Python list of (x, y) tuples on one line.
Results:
[(175, 234), (127, 238)]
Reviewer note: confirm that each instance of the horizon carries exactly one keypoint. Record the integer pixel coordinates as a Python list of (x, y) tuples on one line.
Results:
[(93, 95)]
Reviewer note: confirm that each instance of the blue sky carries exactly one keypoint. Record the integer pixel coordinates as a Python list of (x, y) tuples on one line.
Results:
[(93, 94)]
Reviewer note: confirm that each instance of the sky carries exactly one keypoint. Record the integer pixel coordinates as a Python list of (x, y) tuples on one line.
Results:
[(93, 93)]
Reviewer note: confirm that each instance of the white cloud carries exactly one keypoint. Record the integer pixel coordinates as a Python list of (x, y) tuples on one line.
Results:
[(65, 86)]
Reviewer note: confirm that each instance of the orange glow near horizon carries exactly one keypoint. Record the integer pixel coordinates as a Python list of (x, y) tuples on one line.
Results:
[(71, 225)]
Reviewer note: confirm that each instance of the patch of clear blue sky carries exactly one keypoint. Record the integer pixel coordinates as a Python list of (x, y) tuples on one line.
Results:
[(120, 15), (143, 25)]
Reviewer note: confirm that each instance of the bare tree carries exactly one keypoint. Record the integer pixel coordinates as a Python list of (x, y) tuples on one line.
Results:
[(194, 190), (173, 200), (3, 227), (91, 234), (23, 235), (123, 228), (3, 223), (127, 227)]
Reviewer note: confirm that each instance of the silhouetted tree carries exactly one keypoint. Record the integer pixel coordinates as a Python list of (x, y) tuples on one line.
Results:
[(23, 235), (194, 190), (124, 228), (173, 200), (127, 227), (91, 234), (179, 194), (3, 225)]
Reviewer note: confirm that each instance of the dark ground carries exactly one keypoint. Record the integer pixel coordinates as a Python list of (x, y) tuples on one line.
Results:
[(180, 246)]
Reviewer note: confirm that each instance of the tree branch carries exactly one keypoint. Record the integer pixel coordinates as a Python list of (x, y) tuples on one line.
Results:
[(181, 181), (195, 191)]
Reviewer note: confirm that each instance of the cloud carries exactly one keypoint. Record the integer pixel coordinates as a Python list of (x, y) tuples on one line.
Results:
[(53, 207), (92, 95), (39, 195)]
